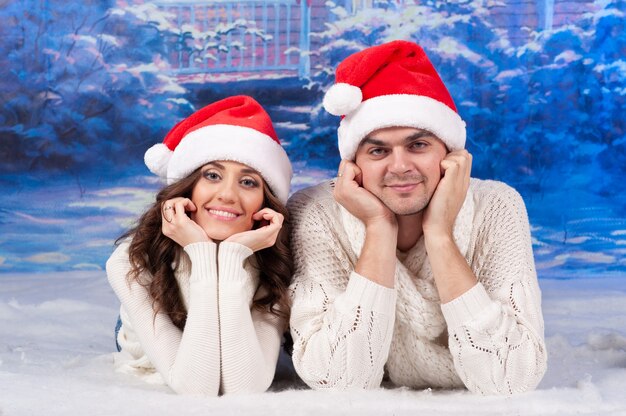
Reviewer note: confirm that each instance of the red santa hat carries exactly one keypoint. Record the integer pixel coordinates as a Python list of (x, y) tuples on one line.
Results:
[(391, 85), (235, 128)]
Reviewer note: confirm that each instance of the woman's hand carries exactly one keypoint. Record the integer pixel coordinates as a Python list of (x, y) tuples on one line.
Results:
[(263, 237), (177, 225)]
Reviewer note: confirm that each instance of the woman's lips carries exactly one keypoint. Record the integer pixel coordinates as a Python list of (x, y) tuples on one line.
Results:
[(222, 214)]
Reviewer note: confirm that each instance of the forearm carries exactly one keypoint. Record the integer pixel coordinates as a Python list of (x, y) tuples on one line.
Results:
[(189, 361), (250, 347), (377, 260), (341, 322), (453, 276), (347, 344), (496, 349), (496, 328), (197, 366), (250, 339)]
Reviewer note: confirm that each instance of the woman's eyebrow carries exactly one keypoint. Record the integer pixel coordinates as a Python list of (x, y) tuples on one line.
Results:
[(216, 164), (249, 171)]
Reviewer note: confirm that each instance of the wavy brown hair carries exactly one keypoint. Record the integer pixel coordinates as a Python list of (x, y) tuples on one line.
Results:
[(154, 257)]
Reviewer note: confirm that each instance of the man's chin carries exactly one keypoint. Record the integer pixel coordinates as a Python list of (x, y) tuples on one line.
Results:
[(407, 213), (406, 209)]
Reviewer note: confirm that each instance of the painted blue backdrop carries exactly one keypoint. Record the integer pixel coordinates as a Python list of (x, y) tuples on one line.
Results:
[(86, 87)]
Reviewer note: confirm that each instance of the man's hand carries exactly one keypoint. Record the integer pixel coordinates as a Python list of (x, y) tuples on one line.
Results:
[(446, 202), (360, 202), (264, 236), (177, 225), (453, 276), (377, 260)]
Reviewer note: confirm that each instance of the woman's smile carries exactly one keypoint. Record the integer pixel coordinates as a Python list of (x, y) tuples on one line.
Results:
[(224, 214)]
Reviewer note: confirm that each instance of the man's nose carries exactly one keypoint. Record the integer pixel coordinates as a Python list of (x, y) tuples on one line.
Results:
[(399, 161)]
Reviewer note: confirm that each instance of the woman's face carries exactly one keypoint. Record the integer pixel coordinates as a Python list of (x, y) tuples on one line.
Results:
[(226, 196)]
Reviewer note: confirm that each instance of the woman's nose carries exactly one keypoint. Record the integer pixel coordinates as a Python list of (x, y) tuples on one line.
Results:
[(227, 191)]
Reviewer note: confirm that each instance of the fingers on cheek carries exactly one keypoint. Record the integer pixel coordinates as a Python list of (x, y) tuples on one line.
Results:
[(447, 166), (457, 164)]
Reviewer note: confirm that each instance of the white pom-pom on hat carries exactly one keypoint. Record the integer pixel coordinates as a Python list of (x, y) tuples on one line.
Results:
[(157, 159), (342, 99)]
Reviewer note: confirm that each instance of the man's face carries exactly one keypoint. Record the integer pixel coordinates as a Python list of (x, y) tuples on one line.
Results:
[(401, 166)]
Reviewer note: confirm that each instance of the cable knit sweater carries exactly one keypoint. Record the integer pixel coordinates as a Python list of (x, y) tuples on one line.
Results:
[(348, 330), (226, 346)]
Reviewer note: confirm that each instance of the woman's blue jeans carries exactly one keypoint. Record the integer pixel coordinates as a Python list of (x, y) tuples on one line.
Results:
[(118, 325)]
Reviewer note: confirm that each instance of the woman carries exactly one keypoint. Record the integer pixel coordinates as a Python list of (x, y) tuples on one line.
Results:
[(203, 276)]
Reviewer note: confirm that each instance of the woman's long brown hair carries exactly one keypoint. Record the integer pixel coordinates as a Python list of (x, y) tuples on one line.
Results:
[(156, 256)]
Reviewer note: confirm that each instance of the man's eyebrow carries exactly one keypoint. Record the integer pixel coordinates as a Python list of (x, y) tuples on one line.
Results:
[(415, 136), (419, 135), (372, 141)]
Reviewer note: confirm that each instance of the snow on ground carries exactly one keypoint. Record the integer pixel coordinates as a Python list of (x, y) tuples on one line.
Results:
[(56, 343)]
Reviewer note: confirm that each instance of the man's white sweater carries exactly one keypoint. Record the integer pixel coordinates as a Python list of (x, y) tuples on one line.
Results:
[(348, 330)]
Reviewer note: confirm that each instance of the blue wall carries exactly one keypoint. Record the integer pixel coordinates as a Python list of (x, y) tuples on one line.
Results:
[(86, 87)]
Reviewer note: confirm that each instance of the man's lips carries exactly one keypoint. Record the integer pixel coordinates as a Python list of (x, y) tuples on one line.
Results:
[(403, 187)]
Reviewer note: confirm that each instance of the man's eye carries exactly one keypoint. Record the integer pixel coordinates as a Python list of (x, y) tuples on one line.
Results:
[(419, 145), (377, 151)]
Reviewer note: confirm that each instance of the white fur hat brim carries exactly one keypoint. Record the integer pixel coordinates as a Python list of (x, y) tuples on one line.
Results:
[(235, 143), (400, 110)]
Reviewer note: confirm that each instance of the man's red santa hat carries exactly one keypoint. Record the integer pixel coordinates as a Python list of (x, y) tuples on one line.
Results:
[(391, 85)]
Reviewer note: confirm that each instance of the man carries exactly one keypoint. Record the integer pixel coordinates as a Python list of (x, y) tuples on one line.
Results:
[(404, 264)]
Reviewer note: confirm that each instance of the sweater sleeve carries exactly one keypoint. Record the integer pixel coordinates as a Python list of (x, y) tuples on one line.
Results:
[(496, 333), (341, 322), (188, 360), (250, 338)]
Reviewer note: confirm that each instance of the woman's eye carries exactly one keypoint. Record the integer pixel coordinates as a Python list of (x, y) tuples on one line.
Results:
[(249, 183), (212, 176)]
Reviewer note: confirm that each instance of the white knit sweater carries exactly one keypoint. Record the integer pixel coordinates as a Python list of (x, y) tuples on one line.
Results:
[(348, 330), (226, 346)]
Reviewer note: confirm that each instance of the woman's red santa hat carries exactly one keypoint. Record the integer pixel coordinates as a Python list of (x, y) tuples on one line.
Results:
[(391, 85), (235, 128)]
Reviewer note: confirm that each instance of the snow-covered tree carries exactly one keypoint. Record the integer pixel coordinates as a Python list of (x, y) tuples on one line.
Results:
[(83, 86)]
